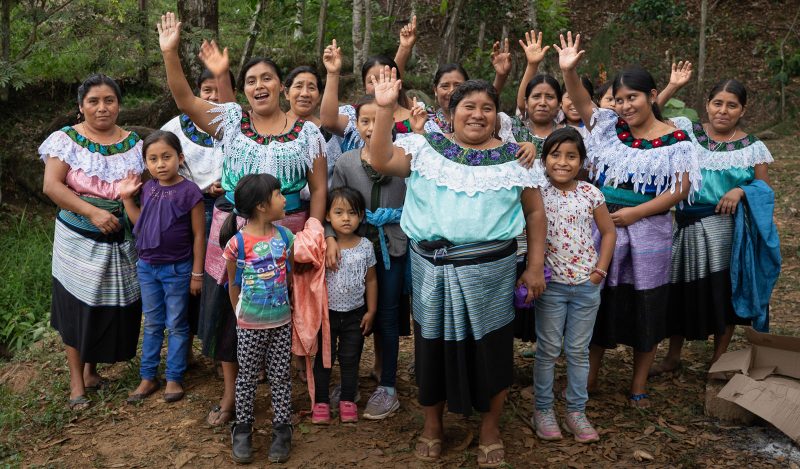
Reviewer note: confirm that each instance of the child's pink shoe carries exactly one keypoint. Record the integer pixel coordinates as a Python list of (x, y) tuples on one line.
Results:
[(348, 412), (546, 425), (577, 424), (321, 414)]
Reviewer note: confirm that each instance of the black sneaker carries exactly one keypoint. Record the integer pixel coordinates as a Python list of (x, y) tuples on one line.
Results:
[(242, 442), (281, 443)]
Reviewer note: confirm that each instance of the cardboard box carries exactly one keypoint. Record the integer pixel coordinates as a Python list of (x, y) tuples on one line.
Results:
[(765, 379)]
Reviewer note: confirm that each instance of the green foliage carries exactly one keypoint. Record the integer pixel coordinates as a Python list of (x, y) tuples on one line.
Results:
[(677, 108), (25, 255), (663, 16)]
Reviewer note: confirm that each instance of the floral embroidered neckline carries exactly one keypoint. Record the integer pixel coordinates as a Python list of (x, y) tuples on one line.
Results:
[(440, 120), (249, 131), (708, 143), (194, 134), (113, 149), (471, 156), (403, 127), (626, 136)]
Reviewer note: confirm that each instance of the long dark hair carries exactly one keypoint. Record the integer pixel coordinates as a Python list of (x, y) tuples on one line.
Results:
[(473, 86), (447, 68), (352, 197), (162, 136), (559, 136), (207, 75), (97, 79), (601, 91), (547, 79), (253, 62), (302, 69), (638, 79), (732, 86), (250, 191), (383, 60)]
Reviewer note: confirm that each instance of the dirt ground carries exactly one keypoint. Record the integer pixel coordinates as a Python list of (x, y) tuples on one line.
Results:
[(673, 433)]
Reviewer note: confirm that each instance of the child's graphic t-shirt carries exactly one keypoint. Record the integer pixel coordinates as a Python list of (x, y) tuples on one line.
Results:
[(264, 298)]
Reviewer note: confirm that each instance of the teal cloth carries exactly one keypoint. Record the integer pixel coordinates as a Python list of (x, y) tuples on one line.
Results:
[(717, 183), (755, 254), (434, 212), (625, 197), (380, 217)]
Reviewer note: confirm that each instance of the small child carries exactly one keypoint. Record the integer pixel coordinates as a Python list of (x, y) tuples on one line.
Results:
[(259, 260), (353, 301), (170, 239), (567, 309)]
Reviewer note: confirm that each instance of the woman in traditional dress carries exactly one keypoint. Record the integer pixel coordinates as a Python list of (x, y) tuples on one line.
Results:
[(645, 166), (96, 303), (462, 213), (700, 282), (262, 140)]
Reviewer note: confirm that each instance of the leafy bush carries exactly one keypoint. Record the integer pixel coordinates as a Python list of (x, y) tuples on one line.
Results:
[(664, 16)]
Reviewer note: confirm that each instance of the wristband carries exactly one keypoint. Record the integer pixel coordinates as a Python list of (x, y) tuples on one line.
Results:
[(196, 275), (600, 272)]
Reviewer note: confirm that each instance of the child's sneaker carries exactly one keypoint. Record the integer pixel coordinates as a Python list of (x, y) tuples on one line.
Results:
[(577, 424), (381, 404), (321, 414), (336, 395), (348, 412), (546, 425)]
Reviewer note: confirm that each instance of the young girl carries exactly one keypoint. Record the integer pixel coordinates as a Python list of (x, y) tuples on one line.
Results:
[(170, 239), (258, 260), (567, 309), (352, 300)]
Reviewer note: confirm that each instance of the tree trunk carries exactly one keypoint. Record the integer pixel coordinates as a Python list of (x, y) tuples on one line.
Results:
[(532, 21), (701, 55), (447, 51), (300, 10), (323, 16), (358, 38), (200, 20), (252, 35), (144, 76), (481, 38), (367, 29), (5, 41)]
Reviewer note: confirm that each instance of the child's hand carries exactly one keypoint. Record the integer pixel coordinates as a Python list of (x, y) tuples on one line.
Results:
[(419, 116), (534, 282), (625, 216), (214, 59), (129, 186), (387, 87), (332, 254), (569, 54), (681, 74), (408, 34), (196, 285), (595, 278), (501, 58), (169, 32), (332, 58), (534, 52), (366, 323), (526, 154)]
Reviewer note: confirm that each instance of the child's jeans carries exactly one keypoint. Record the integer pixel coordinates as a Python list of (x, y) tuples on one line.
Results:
[(390, 292), (165, 301), (346, 345), (258, 349), (564, 313)]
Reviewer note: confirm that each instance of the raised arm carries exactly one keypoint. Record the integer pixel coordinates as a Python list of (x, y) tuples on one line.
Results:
[(329, 108), (217, 62), (534, 54), (678, 78), (408, 37), (386, 158), (169, 38), (501, 61), (569, 55)]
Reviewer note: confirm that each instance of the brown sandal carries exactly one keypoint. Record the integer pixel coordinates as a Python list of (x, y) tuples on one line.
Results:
[(429, 443), (218, 417), (486, 449)]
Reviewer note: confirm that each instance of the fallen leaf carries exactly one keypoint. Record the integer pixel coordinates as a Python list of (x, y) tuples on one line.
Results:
[(183, 458), (529, 442), (678, 428), (575, 465), (649, 430), (642, 455)]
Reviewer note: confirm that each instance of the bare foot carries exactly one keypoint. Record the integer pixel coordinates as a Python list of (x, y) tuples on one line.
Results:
[(639, 401), (173, 387), (492, 454), (667, 365), (146, 387)]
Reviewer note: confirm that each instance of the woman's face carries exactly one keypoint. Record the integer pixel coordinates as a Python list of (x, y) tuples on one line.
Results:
[(262, 87), (448, 83), (100, 107), (542, 104), (724, 111), (607, 101), (374, 71), (474, 118), (366, 121), (569, 110), (635, 107), (209, 90), (303, 94)]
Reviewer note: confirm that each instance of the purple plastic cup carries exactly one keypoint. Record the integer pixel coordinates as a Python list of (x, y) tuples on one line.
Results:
[(521, 292)]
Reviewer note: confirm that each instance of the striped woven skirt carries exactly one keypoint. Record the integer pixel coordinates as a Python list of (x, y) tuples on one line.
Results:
[(96, 302), (633, 303), (463, 323), (217, 323), (700, 281)]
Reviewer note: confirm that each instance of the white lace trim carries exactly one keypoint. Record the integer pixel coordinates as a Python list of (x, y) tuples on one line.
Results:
[(747, 157), (470, 180), (284, 160), (655, 166), (505, 134), (204, 164), (108, 168)]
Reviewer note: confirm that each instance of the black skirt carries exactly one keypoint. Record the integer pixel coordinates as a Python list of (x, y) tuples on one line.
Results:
[(217, 323)]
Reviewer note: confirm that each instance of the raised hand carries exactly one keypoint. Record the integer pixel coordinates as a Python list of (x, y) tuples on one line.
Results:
[(501, 58), (169, 32), (214, 59), (387, 87), (129, 186), (419, 116), (534, 52), (332, 58), (570, 53), (408, 34), (681, 74)]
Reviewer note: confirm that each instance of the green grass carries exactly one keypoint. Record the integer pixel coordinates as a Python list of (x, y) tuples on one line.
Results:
[(25, 255)]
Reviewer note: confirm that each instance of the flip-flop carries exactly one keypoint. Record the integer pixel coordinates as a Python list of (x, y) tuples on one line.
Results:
[(634, 400), (173, 396), (79, 403), (429, 444), (140, 396), (220, 417), (486, 449)]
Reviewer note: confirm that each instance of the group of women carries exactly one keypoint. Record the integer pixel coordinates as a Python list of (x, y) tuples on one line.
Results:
[(473, 221)]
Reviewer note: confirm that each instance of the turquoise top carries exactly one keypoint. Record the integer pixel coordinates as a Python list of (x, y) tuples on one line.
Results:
[(724, 165), (464, 195)]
